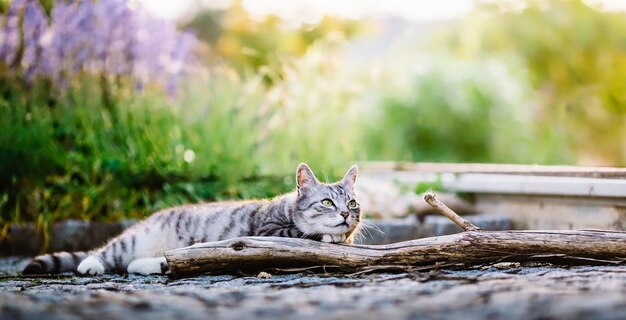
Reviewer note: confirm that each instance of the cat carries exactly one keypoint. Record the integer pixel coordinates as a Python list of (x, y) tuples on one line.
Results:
[(315, 210)]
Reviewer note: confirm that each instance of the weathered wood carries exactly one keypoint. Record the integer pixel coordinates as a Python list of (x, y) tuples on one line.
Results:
[(535, 170), (251, 254), (430, 198)]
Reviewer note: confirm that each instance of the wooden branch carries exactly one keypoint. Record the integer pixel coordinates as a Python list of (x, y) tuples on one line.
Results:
[(448, 213), (252, 254)]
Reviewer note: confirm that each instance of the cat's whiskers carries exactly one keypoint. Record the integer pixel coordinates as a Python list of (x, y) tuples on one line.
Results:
[(365, 229)]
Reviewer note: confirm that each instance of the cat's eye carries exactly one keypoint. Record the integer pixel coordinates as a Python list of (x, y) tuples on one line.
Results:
[(327, 202), (352, 204)]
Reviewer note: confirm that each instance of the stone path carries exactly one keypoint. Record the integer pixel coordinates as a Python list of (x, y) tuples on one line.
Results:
[(501, 291)]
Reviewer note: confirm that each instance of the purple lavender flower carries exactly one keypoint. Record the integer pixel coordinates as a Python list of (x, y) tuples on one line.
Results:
[(34, 27), (94, 37), (178, 58), (11, 33)]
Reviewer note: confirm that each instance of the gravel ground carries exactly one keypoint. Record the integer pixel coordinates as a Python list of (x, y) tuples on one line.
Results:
[(500, 291)]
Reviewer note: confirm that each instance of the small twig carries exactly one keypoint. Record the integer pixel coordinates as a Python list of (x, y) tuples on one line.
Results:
[(448, 213)]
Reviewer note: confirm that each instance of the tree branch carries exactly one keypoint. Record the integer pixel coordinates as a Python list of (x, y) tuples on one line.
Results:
[(430, 198), (253, 254)]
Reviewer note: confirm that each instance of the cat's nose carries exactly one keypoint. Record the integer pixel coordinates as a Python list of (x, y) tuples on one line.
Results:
[(345, 215)]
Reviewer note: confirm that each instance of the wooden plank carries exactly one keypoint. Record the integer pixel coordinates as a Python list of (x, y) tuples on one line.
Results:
[(537, 185), (555, 212), (543, 170)]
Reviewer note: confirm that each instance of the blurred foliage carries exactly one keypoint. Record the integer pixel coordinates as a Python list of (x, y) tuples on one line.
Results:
[(97, 148), (446, 109), (104, 39), (249, 44), (478, 113), (76, 159), (576, 58), (315, 116), (541, 85), (426, 186), (86, 156), (47, 5)]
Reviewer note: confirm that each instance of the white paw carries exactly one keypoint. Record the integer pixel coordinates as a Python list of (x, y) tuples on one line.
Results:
[(147, 266), (334, 238), (91, 266)]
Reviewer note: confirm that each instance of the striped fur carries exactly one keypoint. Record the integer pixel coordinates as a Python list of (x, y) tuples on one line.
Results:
[(55, 263), (326, 212)]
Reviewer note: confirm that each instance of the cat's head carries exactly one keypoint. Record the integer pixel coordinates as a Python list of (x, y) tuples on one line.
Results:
[(326, 208)]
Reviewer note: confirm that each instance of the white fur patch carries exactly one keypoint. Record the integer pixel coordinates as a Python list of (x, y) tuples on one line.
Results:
[(146, 266), (91, 266), (334, 238)]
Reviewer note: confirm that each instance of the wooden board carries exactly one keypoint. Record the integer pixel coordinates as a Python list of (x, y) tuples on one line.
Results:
[(535, 170)]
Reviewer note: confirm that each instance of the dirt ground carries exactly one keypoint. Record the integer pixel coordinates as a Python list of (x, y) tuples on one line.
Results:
[(501, 291)]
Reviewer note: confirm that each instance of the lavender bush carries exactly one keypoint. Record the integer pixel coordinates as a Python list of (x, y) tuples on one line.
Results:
[(105, 38), (76, 136)]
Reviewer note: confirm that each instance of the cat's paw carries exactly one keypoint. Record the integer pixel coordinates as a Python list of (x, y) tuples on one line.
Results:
[(147, 266), (334, 238), (91, 266)]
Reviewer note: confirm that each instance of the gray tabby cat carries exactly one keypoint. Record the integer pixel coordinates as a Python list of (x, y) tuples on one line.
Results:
[(325, 212)]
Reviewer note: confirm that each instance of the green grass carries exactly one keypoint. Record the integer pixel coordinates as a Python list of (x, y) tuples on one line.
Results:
[(91, 156), (83, 154), (452, 110), (76, 158)]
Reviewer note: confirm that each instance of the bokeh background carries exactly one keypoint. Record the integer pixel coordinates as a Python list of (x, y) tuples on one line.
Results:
[(112, 109)]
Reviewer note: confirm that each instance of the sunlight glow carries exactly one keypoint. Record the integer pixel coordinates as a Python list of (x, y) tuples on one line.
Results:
[(310, 11)]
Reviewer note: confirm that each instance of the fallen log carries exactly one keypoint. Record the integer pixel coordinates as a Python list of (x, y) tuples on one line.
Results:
[(474, 246), (253, 254)]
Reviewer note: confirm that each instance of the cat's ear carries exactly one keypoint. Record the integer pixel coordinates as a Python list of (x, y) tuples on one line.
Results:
[(305, 177), (350, 178)]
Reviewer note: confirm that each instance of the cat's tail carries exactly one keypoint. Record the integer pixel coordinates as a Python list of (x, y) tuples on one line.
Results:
[(55, 263)]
